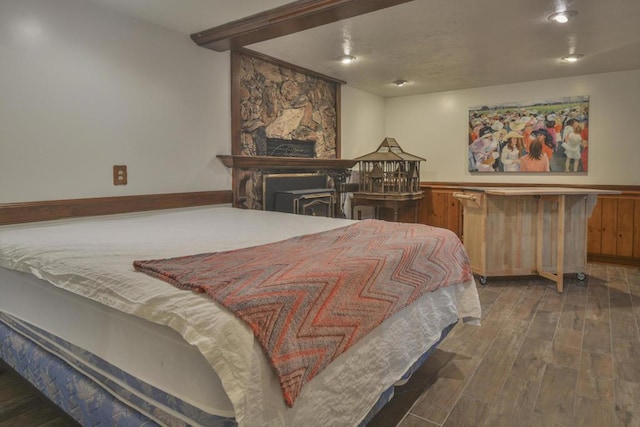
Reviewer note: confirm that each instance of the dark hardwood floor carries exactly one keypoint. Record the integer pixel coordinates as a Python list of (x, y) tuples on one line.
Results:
[(539, 359), (21, 405)]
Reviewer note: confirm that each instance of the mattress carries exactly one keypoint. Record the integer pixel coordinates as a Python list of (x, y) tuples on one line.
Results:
[(183, 343)]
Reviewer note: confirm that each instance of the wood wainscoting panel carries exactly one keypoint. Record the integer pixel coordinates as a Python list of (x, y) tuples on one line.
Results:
[(624, 229), (636, 229), (609, 225), (614, 229), (440, 209), (16, 213)]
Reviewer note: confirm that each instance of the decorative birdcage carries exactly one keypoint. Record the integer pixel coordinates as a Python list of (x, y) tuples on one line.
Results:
[(389, 171)]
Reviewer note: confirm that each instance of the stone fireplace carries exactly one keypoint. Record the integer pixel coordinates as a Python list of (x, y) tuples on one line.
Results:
[(280, 111)]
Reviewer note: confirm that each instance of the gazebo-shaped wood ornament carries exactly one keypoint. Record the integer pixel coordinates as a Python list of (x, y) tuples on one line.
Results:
[(389, 175)]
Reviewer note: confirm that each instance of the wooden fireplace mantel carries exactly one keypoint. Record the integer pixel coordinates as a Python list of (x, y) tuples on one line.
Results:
[(269, 162)]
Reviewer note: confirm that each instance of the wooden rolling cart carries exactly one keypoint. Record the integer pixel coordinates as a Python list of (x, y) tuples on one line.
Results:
[(514, 231)]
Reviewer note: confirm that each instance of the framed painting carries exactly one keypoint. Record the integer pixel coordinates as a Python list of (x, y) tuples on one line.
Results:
[(550, 136)]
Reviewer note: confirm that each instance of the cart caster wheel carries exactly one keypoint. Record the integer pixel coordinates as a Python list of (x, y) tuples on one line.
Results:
[(581, 276), (483, 280)]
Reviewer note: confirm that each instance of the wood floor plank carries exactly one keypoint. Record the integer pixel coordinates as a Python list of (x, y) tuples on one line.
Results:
[(593, 412), (577, 293), (487, 297), (468, 412), (21, 405), (35, 415), (436, 403), (557, 393), (597, 336), (569, 337), (627, 396), (572, 317), (626, 360), (544, 325), (616, 274), (552, 301), (517, 401), (413, 421), (595, 376), (532, 358), (406, 396), (526, 308), (598, 309), (565, 355), (623, 324), (473, 341), (17, 405), (597, 289), (495, 366)]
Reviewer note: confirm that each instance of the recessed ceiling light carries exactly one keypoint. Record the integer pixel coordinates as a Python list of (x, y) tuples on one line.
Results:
[(562, 17), (573, 57), (400, 82), (347, 59)]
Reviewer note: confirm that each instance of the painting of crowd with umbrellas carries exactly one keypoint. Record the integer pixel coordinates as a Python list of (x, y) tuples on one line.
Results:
[(549, 136)]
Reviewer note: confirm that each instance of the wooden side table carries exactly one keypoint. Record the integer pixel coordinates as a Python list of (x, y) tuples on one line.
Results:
[(394, 201)]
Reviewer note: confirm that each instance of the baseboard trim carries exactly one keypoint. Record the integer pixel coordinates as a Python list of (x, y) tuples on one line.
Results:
[(613, 259)]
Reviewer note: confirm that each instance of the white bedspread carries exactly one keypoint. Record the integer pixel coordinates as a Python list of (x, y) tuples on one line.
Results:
[(93, 257)]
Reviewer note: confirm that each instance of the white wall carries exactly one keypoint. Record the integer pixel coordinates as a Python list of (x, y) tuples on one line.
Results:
[(362, 117), (84, 88), (434, 126)]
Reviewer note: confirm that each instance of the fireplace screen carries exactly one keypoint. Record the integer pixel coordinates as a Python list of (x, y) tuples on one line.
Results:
[(313, 202), (277, 185)]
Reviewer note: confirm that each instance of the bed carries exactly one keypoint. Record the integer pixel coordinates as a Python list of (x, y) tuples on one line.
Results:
[(106, 342)]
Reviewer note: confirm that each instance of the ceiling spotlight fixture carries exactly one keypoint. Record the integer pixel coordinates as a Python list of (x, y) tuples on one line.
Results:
[(400, 82), (562, 17), (573, 57), (347, 59)]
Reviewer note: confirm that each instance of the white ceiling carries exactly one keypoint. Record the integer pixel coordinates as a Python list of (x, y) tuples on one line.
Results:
[(191, 16), (436, 45)]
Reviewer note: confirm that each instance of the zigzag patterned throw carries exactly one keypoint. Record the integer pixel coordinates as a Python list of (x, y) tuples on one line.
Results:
[(309, 298)]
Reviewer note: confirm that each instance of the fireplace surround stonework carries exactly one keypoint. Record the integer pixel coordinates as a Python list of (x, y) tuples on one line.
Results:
[(272, 103)]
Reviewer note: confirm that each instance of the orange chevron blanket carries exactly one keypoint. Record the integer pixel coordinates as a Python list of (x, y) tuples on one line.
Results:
[(309, 298)]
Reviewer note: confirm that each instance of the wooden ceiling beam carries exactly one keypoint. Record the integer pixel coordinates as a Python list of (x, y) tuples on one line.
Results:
[(287, 19)]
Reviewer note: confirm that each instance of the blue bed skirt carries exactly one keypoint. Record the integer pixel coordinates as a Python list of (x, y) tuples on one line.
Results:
[(93, 392)]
